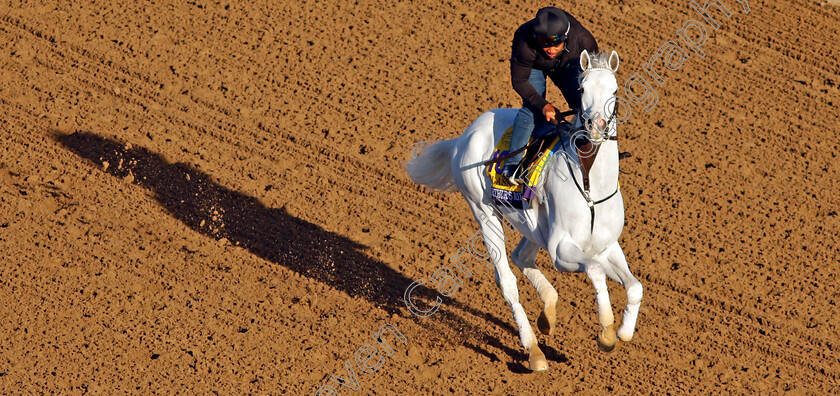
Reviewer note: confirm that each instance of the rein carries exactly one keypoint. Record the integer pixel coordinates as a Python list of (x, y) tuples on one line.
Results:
[(584, 191), (562, 115)]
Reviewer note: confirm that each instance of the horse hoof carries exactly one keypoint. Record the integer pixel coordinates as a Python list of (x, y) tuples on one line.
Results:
[(547, 320), (606, 339), (537, 361), (625, 337)]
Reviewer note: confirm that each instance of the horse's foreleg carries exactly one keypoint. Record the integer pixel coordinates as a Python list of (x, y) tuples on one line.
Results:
[(634, 290), (568, 252), (506, 280), (524, 256)]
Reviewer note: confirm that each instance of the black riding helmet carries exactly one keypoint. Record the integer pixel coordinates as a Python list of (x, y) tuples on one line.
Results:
[(550, 27)]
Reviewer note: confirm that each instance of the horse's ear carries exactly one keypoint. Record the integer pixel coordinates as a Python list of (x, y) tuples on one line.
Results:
[(614, 61), (584, 60)]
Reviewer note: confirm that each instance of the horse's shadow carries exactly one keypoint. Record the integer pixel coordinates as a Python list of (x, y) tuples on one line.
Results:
[(209, 208)]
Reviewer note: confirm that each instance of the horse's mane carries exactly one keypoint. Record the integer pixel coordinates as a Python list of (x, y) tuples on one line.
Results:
[(598, 60)]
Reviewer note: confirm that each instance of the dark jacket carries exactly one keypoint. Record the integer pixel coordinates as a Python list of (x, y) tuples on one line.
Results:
[(527, 54)]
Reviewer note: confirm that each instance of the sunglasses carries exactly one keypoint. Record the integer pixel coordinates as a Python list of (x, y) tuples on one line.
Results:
[(551, 41)]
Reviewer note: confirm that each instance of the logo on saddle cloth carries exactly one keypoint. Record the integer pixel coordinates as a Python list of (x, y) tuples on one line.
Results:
[(535, 160)]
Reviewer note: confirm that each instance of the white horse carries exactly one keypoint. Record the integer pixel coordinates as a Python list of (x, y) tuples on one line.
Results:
[(578, 227)]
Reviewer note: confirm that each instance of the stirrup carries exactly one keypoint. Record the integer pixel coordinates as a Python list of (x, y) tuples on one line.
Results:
[(511, 175), (513, 180)]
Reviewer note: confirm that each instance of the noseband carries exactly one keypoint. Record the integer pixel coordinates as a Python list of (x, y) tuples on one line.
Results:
[(587, 124)]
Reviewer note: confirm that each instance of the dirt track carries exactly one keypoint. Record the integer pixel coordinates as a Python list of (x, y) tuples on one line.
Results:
[(200, 196)]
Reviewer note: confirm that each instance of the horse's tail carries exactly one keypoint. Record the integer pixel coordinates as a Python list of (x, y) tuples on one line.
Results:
[(430, 164)]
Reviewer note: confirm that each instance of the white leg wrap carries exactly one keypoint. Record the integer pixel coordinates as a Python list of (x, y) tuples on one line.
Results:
[(526, 334), (631, 313), (544, 288), (628, 323), (605, 314), (602, 294)]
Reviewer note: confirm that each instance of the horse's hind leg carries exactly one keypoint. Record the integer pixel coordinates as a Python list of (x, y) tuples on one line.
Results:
[(492, 231), (524, 256), (634, 292)]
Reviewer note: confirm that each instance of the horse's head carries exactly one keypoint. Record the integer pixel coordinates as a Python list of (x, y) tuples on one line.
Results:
[(598, 88)]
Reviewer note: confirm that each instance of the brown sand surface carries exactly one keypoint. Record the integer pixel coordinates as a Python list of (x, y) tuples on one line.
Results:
[(202, 196)]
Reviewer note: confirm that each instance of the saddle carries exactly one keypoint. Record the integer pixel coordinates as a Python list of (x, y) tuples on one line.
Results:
[(537, 153)]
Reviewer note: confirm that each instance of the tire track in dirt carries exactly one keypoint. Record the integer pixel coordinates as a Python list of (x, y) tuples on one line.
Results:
[(142, 99), (701, 308), (756, 316), (812, 38), (795, 53), (305, 145), (95, 79), (753, 326)]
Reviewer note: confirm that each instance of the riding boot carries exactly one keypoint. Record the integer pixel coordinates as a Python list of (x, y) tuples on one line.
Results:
[(510, 173)]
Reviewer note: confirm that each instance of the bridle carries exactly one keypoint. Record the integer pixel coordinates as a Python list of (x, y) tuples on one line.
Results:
[(588, 123), (589, 126)]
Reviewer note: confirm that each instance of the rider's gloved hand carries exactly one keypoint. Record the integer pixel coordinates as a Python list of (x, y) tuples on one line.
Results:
[(550, 113)]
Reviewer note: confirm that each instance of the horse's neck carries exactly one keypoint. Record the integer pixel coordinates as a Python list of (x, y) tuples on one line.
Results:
[(604, 173)]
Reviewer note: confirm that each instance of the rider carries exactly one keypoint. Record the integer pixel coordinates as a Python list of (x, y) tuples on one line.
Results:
[(546, 46)]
